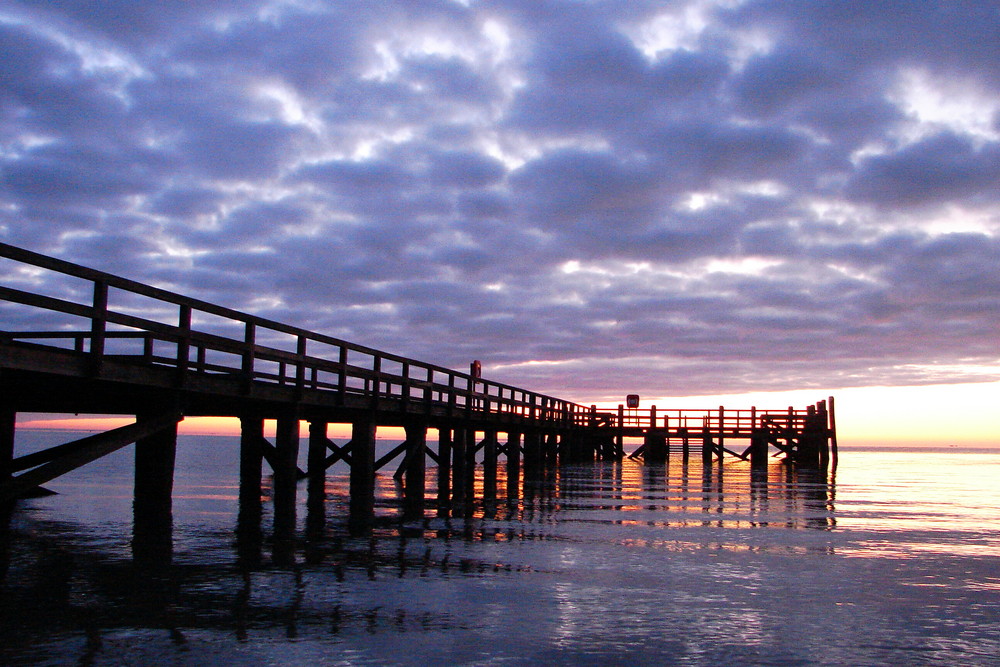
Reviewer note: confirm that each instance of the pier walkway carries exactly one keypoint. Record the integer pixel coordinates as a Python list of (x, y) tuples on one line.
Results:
[(80, 341)]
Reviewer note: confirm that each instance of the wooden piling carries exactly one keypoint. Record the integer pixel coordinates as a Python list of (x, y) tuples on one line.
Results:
[(823, 440), (807, 454), (444, 472), (551, 450), (655, 448), (722, 422), (251, 467), (564, 450), (459, 478), (152, 529), (620, 434), (532, 455), (833, 431), (415, 476), (758, 449), (285, 468), (489, 464), (470, 466), (361, 512), (707, 448), (316, 490), (513, 464), (8, 420), (316, 458)]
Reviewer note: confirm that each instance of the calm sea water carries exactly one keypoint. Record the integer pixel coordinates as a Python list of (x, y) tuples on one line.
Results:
[(894, 561)]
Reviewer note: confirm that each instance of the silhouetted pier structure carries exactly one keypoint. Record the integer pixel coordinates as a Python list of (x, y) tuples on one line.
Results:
[(805, 436), (88, 342)]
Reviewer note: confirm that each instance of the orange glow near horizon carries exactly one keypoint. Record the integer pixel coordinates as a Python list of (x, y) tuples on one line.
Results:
[(229, 426), (930, 415), (933, 415)]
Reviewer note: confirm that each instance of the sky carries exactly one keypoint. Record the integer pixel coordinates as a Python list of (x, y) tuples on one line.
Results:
[(675, 199)]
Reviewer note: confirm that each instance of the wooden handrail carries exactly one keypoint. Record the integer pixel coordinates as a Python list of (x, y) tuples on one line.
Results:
[(460, 390)]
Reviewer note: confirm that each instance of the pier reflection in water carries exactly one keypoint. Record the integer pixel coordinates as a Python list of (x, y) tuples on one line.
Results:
[(584, 564)]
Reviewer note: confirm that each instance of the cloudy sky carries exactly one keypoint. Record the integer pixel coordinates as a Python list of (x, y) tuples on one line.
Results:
[(594, 198)]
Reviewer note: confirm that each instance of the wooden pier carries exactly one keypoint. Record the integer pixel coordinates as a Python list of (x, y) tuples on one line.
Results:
[(95, 343)]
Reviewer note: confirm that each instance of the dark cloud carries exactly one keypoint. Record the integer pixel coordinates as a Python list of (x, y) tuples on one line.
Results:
[(941, 169), (595, 197)]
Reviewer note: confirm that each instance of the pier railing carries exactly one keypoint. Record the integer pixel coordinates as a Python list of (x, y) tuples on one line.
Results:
[(722, 421), (100, 317)]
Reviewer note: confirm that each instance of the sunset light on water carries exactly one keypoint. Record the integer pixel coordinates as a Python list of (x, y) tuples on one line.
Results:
[(654, 563)]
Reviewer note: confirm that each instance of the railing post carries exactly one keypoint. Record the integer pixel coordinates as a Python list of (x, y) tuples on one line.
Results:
[(376, 380), (620, 435), (249, 354), (404, 390), (300, 363), (98, 325), (429, 391), (342, 375), (183, 343), (722, 428), (792, 427)]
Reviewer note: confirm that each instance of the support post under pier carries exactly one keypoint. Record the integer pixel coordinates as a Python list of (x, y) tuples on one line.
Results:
[(444, 472), (656, 448), (286, 446), (707, 449), (8, 419), (251, 468), (470, 466), (458, 475), (152, 528), (758, 449), (551, 451), (362, 503), (532, 455), (316, 490), (490, 465), (513, 464), (415, 476)]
